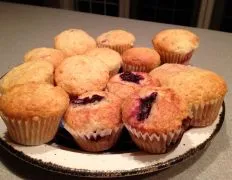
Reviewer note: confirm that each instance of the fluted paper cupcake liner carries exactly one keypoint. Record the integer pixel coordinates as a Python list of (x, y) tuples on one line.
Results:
[(90, 142), (119, 48), (205, 114), (167, 57), (135, 68), (31, 132), (154, 143)]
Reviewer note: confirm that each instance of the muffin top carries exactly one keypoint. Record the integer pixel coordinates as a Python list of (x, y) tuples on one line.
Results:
[(167, 70), (31, 71), (80, 74), (74, 42), (176, 40), (198, 85), (116, 37), (34, 100), (141, 56), (92, 111), (155, 110), (126, 83), (51, 55), (108, 56)]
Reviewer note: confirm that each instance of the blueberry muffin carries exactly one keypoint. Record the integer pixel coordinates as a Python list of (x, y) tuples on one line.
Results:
[(204, 91), (32, 112), (51, 55), (80, 74), (118, 40), (32, 71), (74, 42), (155, 118), (94, 120), (175, 45), (140, 59), (109, 57), (126, 83)]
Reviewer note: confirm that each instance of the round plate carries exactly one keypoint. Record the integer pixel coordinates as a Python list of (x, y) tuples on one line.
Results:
[(68, 160)]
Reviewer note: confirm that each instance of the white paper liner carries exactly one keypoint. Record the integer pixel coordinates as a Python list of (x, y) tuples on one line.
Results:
[(31, 132), (205, 114), (84, 140), (154, 143), (167, 57), (119, 48), (135, 68)]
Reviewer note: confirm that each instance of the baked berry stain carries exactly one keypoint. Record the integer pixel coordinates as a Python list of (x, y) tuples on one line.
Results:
[(131, 77), (86, 100), (145, 106)]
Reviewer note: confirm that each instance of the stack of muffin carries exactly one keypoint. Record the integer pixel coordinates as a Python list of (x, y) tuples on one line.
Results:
[(156, 97)]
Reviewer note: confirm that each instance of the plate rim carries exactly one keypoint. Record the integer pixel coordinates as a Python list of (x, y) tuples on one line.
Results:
[(119, 173)]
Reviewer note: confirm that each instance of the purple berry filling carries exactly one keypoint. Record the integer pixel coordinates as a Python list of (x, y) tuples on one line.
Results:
[(86, 100), (131, 77), (145, 106)]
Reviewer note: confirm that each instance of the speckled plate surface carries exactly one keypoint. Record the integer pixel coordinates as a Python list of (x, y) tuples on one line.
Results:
[(125, 159)]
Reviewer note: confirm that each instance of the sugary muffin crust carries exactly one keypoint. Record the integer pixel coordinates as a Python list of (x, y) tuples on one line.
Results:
[(109, 57), (125, 84), (32, 71), (176, 40), (92, 111), (155, 110), (198, 85), (34, 100), (141, 56), (116, 37), (80, 74), (51, 55), (74, 42)]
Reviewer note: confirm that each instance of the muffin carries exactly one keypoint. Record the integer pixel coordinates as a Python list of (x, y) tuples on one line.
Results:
[(94, 120), (118, 40), (126, 83), (155, 118), (109, 57), (175, 45), (166, 71), (80, 74), (51, 55), (140, 59), (203, 90), (32, 112), (32, 71), (74, 42)]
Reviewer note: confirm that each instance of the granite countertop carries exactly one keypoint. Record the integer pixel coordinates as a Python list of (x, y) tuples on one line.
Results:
[(25, 27)]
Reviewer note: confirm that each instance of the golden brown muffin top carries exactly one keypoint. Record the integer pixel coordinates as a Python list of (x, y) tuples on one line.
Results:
[(116, 37), (92, 111), (176, 40), (108, 56), (74, 42), (31, 71), (155, 110), (51, 55), (197, 85), (125, 84), (141, 56), (167, 70), (33, 101), (81, 73)]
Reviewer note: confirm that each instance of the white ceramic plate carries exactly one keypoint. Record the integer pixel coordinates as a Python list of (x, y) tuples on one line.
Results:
[(126, 161)]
